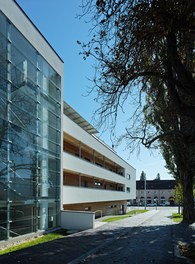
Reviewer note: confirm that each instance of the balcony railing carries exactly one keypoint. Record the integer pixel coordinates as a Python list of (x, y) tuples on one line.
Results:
[(96, 163), (72, 194), (76, 166)]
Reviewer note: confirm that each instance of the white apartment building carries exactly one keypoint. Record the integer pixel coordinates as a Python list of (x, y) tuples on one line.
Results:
[(95, 178), (50, 159)]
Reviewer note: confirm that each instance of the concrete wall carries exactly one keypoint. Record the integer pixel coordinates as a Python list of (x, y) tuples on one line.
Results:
[(77, 220)]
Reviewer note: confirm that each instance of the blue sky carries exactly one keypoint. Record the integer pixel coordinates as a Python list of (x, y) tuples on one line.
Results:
[(56, 20)]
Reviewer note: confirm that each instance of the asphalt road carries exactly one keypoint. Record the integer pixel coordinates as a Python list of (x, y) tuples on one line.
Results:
[(142, 239), (150, 242)]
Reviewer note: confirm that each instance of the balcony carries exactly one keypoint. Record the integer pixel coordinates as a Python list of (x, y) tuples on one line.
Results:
[(73, 195), (79, 165), (85, 152)]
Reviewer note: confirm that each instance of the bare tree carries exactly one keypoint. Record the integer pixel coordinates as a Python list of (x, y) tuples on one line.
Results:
[(145, 51)]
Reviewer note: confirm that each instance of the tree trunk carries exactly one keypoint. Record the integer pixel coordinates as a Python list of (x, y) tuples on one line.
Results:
[(188, 199)]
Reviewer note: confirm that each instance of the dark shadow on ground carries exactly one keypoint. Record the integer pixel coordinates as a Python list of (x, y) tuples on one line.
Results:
[(145, 244), (185, 232)]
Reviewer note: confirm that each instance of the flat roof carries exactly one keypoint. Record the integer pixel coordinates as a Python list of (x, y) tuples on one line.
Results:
[(78, 119)]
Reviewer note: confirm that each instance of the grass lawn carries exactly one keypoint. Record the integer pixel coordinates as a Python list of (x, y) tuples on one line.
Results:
[(120, 217), (177, 217), (115, 218), (34, 242), (134, 212), (60, 234)]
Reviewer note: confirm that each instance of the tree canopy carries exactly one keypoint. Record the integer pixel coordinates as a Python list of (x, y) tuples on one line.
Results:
[(157, 177), (143, 176), (145, 51)]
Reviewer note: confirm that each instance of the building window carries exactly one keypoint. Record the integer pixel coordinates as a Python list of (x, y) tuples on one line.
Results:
[(128, 176), (97, 183), (87, 208), (128, 189)]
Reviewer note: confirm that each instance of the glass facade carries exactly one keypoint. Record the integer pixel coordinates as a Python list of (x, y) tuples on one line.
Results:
[(30, 137)]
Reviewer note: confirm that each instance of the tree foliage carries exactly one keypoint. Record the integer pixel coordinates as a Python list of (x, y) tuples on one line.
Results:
[(143, 176), (157, 177), (145, 53), (178, 194)]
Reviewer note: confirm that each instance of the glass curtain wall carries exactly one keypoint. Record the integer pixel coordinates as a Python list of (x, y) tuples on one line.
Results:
[(30, 113)]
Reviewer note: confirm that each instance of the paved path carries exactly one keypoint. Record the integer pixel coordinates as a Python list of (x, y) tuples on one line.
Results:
[(142, 239), (145, 240)]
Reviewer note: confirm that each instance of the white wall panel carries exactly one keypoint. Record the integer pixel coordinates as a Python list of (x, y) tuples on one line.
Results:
[(73, 195)]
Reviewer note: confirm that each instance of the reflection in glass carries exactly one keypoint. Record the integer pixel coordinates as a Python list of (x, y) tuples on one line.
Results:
[(30, 114)]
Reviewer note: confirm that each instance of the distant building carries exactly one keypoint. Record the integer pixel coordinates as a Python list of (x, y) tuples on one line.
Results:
[(160, 192)]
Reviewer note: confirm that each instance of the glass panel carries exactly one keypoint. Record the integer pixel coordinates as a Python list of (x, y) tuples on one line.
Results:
[(49, 176), (3, 89), (24, 99), (56, 79), (54, 120), (50, 89), (3, 221), (51, 80), (23, 45), (53, 148), (3, 156), (3, 24), (52, 215), (23, 119), (22, 217), (31, 72), (54, 178), (31, 177), (3, 115), (51, 105), (17, 78), (53, 91), (23, 72), (53, 135), (3, 46), (54, 164), (39, 78), (3, 65), (45, 68), (18, 59), (40, 63), (23, 166)]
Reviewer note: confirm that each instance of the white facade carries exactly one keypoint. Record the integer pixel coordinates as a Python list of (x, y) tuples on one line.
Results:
[(119, 185)]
